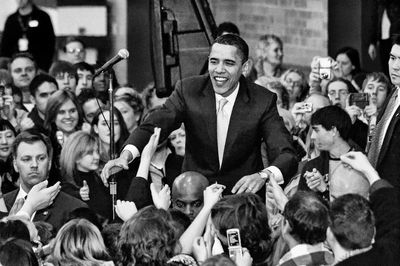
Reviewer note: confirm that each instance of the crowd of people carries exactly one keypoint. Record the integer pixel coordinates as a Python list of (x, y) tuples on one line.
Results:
[(252, 163)]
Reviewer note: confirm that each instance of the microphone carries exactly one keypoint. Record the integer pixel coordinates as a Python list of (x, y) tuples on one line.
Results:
[(122, 54)]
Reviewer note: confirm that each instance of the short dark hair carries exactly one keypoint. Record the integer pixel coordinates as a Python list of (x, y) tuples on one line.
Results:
[(228, 27), (395, 39), (333, 116), (18, 252), (31, 136), (22, 55), (352, 221), (308, 217), (6, 125), (350, 87), (62, 67), (353, 55), (237, 41), (83, 66), (86, 95), (39, 80)]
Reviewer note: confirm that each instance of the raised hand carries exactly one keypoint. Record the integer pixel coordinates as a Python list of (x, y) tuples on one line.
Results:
[(161, 199), (84, 191), (274, 191), (212, 194), (125, 209), (113, 167)]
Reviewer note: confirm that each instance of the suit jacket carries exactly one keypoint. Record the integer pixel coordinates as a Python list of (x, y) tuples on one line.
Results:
[(254, 117), (56, 214), (388, 165), (393, 12)]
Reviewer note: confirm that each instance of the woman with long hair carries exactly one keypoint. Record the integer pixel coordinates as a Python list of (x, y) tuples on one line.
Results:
[(79, 242), (63, 117), (8, 174), (79, 164)]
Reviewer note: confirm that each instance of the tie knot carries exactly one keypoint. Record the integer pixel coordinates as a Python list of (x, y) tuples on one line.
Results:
[(221, 104)]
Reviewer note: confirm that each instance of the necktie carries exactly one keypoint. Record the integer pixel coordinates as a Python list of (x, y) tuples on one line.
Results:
[(378, 137), (222, 128)]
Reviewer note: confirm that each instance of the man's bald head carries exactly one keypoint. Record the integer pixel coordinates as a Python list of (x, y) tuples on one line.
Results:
[(187, 193), (348, 181)]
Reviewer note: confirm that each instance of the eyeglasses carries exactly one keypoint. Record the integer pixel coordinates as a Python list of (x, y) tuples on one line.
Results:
[(73, 51)]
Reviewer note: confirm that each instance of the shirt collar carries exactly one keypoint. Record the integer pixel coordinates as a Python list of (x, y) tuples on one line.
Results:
[(231, 98)]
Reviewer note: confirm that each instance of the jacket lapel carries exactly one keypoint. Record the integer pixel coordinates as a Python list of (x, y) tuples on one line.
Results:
[(389, 133), (207, 101)]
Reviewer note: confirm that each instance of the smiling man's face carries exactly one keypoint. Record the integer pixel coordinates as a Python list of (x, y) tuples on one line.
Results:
[(225, 67)]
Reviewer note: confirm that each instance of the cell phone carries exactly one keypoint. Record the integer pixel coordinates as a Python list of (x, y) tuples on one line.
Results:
[(234, 243), (307, 107), (359, 99), (325, 67)]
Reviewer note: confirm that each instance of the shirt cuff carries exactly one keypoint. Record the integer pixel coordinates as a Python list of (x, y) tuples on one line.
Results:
[(133, 150), (277, 173)]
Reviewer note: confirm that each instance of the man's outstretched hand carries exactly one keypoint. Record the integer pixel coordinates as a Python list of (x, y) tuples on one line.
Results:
[(113, 167)]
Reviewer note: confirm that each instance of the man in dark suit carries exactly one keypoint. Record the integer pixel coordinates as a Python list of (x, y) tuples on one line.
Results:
[(225, 119), (32, 160), (384, 153)]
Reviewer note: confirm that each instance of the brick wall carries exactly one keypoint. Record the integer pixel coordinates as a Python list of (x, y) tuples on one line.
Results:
[(302, 24)]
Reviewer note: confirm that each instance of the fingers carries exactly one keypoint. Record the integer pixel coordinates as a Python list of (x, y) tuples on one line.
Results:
[(239, 186)]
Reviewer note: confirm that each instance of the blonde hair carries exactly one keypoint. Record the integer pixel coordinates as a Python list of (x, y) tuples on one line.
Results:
[(79, 242), (77, 145)]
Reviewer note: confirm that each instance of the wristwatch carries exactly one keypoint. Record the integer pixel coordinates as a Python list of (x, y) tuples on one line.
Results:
[(264, 175)]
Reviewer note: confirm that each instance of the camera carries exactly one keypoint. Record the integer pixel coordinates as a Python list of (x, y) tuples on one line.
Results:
[(325, 67), (307, 107), (234, 243), (359, 99)]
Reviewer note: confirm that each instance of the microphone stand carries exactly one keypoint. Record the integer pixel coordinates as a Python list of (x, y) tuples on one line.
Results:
[(113, 182)]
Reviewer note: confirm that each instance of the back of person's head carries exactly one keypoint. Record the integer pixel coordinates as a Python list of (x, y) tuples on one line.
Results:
[(79, 242), (352, 221), (333, 116), (110, 235), (61, 67), (353, 55), (38, 80), (31, 136), (13, 229), (248, 213), (307, 217), (219, 260), (148, 238), (4, 61), (345, 180), (86, 213), (237, 41), (227, 27), (17, 252)]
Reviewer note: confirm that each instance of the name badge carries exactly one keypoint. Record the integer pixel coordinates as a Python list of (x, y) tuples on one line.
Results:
[(33, 23)]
